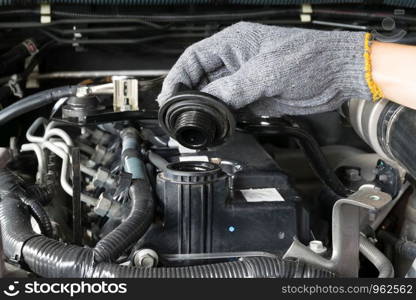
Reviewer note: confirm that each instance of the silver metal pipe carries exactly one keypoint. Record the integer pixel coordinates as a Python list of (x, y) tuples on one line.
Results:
[(40, 158), (342, 25), (377, 258)]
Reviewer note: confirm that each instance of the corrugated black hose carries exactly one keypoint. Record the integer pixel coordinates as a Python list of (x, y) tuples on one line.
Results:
[(11, 183), (50, 258), (15, 226), (136, 224), (250, 267)]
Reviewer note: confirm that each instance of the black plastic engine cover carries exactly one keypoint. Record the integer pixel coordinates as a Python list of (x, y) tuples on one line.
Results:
[(201, 211)]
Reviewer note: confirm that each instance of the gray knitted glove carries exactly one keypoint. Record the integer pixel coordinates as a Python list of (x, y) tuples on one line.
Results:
[(274, 70)]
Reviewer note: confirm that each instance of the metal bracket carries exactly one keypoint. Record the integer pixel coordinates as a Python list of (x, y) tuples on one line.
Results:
[(345, 232), (15, 87)]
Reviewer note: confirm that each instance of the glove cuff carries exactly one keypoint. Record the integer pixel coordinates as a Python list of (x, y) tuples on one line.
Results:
[(348, 60), (374, 88)]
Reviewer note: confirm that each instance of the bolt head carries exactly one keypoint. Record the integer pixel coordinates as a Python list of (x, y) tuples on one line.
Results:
[(145, 258), (317, 247)]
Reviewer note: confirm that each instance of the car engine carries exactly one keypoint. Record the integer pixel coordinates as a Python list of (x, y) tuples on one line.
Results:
[(97, 180)]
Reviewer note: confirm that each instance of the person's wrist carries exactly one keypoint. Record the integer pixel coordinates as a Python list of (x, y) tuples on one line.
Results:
[(393, 68), (378, 53)]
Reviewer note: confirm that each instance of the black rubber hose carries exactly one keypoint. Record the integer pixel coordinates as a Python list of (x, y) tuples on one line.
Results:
[(15, 226), (130, 230), (317, 159), (53, 259), (12, 57), (6, 95), (403, 247), (113, 244), (39, 214), (312, 150), (406, 248), (251, 267), (11, 183), (50, 258), (35, 101)]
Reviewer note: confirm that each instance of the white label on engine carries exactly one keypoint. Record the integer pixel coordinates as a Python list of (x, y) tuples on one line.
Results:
[(262, 195), (194, 158)]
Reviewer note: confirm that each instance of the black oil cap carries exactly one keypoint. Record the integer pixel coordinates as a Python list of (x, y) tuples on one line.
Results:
[(196, 120)]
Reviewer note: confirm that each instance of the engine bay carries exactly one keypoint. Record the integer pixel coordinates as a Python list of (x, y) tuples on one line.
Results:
[(98, 181)]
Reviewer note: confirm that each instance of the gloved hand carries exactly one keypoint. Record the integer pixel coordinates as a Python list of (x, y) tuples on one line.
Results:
[(275, 70)]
